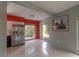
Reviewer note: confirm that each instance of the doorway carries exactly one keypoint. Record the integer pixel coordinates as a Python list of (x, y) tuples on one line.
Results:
[(29, 32), (45, 31)]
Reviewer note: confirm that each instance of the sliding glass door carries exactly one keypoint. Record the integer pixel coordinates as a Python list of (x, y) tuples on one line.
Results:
[(29, 31)]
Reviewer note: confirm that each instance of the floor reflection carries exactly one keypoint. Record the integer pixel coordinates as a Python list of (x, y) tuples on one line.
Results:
[(44, 47), (37, 48)]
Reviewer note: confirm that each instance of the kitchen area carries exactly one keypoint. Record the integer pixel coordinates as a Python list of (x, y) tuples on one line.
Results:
[(15, 33)]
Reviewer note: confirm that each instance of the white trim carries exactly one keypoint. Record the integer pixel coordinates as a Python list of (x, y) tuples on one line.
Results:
[(77, 33)]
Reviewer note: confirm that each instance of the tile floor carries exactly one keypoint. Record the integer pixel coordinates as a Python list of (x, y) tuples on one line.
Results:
[(37, 48)]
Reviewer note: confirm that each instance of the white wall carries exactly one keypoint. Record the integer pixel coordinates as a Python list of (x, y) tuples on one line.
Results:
[(66, 40), (3, 28)]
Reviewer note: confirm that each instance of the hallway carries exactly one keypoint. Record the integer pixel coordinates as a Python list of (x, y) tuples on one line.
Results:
[(37, 48)]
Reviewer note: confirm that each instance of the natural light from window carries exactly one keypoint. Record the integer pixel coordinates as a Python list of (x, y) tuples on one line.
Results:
[(45, 31)]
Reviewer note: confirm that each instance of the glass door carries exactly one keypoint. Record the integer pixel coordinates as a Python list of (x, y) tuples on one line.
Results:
[(29, 31)]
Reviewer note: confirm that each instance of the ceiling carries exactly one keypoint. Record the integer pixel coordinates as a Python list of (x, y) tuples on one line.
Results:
[(19, 10), (38, 10), (55, 6)]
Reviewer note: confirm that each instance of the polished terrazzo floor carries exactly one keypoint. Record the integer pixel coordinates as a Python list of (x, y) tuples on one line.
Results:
[(37, 48)]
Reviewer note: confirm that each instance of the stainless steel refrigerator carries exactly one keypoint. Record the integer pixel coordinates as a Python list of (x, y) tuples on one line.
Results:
[(18, 34)]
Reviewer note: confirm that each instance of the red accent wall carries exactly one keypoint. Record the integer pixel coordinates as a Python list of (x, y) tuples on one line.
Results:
[(26, 21)]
